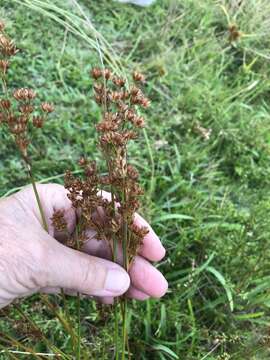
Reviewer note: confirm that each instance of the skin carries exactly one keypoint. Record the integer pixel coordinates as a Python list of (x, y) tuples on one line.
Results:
[(32, 260)]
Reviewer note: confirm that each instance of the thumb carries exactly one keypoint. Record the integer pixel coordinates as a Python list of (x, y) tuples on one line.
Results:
[(72, 269)]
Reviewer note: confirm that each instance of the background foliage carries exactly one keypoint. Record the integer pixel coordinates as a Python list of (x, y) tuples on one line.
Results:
[(204, 160)]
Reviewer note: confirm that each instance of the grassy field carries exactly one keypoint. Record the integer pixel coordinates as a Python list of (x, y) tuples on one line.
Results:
[(204, 160)]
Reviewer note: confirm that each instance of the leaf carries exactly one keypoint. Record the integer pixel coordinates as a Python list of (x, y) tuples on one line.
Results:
[(249, 316), (223, 282), (172, 217), (166, 350)]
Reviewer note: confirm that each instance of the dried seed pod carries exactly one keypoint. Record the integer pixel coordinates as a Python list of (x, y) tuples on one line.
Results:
[(139, 122), (17, 129), (24, 94), (115, 96), (96, 73), (5, 104), (4, 64), (132, 172), (47, 107), (137, 76), (7, 46), (119, 81), (107, 74), (98, 99), (58, 221), (134, 91), (145, 102), (124, 95), (26, 108), (98, 88), (22, 144), (38, 121)]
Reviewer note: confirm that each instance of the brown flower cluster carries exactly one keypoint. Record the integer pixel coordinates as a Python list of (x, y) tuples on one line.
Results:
[(112, 219), (18, 108)]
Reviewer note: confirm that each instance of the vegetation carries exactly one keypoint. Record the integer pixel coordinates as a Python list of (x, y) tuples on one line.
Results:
[(204, 162)]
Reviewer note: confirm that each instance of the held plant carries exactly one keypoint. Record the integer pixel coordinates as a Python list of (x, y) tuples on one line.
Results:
[(111, 217), (105, 203)]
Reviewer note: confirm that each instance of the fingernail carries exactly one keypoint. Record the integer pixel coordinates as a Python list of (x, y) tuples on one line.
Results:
[(117, 281)]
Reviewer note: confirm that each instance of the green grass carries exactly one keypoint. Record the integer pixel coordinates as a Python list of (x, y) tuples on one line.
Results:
[(207, 199)]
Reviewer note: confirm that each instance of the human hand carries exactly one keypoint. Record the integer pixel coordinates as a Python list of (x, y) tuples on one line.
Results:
[(32, 260)]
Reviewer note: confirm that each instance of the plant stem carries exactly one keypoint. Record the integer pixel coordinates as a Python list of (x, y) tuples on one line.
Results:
[(43, 218), (125, 263), (116, 329), (78, 305)]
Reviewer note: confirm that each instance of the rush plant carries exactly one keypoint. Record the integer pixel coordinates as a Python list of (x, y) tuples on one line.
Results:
[(106, 202)]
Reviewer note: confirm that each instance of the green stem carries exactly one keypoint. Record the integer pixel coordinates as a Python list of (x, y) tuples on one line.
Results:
[(116, 329), (43, 218), (78, 305), (124, 329), (125, 263)]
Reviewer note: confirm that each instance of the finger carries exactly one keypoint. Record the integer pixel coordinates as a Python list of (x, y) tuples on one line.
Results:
[(151, 248), (140, 268), (53, 197), (136, 294), (71, 269), (147, 278)]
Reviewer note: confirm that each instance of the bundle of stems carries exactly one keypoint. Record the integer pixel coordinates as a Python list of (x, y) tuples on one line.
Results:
[(111, 214)]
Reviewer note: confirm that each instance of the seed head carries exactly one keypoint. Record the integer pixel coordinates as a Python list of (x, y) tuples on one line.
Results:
[(138, 121), (26, 108), (5, 104), (7, 46), (24, 94), (47, 107), (59, 221), (137, 76), (119, 81), (4, 64), (145, 102), (107, 74), (38, 121), (96, 73), (98, 88)]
